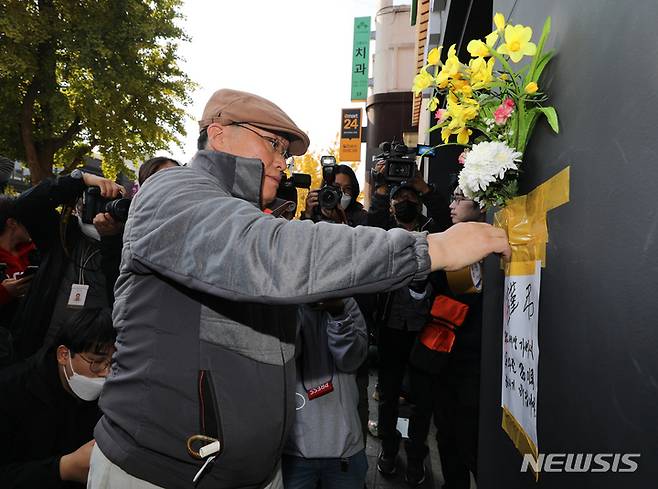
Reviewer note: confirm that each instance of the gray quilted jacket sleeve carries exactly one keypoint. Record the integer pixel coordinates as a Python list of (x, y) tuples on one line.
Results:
[(198, 235)]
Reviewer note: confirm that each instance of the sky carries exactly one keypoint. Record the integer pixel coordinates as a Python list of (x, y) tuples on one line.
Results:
[(296, 53)]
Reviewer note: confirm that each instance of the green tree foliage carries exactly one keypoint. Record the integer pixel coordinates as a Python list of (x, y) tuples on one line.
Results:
[(83, 75)]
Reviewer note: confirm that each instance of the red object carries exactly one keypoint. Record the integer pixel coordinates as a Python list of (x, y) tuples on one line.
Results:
[(447, 314), (15, 263), (320, 390)]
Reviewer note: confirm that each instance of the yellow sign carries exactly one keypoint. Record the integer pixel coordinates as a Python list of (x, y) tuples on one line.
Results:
[(350, 135)]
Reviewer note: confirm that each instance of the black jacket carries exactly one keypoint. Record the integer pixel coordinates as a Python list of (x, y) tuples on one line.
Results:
[(398, 309), (39, 423), (355, 213), (36, 208)]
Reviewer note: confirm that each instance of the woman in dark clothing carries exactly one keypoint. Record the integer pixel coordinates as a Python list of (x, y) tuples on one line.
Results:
[(349, 211)]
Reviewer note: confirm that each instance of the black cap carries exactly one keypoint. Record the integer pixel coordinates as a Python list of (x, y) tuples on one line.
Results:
[(402, 186)]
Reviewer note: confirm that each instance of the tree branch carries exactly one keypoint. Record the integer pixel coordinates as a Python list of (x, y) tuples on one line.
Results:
[(27, 134), (59, 142)]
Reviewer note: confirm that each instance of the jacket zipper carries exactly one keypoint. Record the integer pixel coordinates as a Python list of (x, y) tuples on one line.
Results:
[(209, 417)]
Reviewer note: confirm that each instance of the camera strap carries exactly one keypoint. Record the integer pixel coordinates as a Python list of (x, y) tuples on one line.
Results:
[(323, 388)]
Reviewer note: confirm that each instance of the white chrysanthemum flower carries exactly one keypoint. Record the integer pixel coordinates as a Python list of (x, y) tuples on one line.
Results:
[(486, 163)]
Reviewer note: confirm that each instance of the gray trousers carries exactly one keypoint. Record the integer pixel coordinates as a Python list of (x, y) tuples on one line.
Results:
[(103, 474)]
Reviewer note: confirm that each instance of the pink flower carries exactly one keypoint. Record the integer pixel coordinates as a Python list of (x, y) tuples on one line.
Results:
[(441, 115), (504, 111), (462, 157)]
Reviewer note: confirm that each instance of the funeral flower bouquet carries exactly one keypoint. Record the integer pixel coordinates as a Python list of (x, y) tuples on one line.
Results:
[(490, 106)]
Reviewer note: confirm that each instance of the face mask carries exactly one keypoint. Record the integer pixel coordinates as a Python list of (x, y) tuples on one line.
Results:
[(86, 388), (405, 211), (89, 230), (345, 201)]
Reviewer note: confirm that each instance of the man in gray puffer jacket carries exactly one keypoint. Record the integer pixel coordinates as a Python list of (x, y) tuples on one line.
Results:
[(202, 385)]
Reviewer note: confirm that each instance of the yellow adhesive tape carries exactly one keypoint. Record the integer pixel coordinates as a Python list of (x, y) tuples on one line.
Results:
[(519, 437), (524, 220)]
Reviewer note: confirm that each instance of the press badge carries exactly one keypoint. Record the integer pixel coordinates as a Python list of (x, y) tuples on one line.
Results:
[(320, 390), (78, 295)]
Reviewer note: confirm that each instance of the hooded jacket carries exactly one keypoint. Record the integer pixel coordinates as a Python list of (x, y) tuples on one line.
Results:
[(329, 348), (205, 317)]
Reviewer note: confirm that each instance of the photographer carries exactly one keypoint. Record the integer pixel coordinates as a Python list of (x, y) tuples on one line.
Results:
[(48, 411), (325, 444), (343, 207), (152, 166), (79, 260), (402, 313), (16, 250)]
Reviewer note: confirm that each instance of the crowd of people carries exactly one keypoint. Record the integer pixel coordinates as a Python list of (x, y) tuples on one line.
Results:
[(207, 338)]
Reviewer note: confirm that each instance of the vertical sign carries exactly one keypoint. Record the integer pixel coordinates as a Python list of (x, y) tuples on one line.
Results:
[(350, 135), (521, 357), (360, 59)]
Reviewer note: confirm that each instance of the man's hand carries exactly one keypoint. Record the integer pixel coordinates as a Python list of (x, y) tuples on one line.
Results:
[(335, 307), (17, 287), (75, 465), (378, 180), (466, 243), (106, 225), (311, 203), (109, 189), (419, 184)]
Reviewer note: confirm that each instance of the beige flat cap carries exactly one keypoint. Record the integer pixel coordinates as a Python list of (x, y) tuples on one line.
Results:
[(228, 106)]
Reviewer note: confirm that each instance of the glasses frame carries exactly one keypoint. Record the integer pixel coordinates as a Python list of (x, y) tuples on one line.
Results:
[(459, 198), (277, 146), (105, 363)]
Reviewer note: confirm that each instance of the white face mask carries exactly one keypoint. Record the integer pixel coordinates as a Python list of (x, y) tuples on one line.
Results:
[(86, 388), (345, 201), (89, 230)]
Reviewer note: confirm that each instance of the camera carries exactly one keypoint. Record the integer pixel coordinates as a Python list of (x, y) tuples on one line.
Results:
[(93, 203), (297, 180), (329, 195), (399, 163)]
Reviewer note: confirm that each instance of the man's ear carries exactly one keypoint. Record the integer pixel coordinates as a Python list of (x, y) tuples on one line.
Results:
[(62, 354), (215, 135)]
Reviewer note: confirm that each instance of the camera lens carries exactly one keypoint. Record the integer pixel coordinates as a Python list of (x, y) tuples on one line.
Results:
[(329, 197), (118, 209)]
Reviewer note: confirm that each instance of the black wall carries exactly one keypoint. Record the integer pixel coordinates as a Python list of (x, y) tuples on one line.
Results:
[(598, 327)]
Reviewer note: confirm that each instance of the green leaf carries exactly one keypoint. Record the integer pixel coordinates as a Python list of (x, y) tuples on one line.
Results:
[(541, 65), (551, 117), (540, 47)]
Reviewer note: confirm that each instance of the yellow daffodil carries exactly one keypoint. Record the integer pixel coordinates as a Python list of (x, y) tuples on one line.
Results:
[(490, 39), (463, 135), (433, 104), (481, 72), (451, 69), (531, 88), (462, 87), (445, 133), (499, 21), (422, 81), (434, 56), (462, 111), (478, 49), (517, 43)]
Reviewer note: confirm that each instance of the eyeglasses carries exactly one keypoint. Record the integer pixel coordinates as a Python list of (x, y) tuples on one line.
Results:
[(278, 146), (96, 366), (458, 198)]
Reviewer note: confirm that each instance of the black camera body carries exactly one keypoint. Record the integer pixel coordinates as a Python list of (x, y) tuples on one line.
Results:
[(297, 180), (93, 203), (329, 195), (399, 162)]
